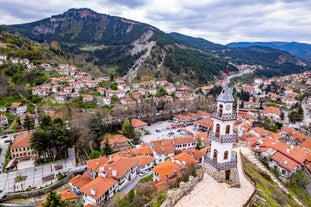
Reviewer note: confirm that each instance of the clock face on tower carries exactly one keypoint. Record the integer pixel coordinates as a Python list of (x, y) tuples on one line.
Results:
[(228, 106)]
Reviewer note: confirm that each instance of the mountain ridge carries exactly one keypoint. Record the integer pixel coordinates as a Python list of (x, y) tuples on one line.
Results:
[(115, 45), (298, 49)]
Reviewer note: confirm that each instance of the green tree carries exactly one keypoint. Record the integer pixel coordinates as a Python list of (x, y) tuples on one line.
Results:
[(29, 123), (114, 86), (267, 124), (61, 136), (94, 154), (53, 200), (127, 129), (45, 122), (38, 141), (97, 126), (107, 148)]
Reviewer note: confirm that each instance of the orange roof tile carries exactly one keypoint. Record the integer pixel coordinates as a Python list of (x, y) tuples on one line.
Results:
[(164, 146), (295, 153), (80, 180), (68, 195), (207, 122), (295, 134), (306, 144), (167, 168), (138, 123), (197, 154), (185, 159), (143, 150), (265, 133), (143, 160), (22, 140), (272, 110), (120, 164), (184, 140), (114, 138), (100, 185), (284, 161)]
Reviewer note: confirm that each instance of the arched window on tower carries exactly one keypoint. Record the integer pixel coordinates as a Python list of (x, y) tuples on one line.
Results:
[(226, 155), (217, 130), (228, 129), (215, 155), (220, 109)]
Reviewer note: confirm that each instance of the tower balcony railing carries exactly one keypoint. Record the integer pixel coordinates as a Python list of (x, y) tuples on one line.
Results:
[(224, 117), (227, 138), (222, 166)]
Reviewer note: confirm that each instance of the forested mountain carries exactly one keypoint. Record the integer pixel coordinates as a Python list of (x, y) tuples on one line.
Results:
[(302, 50), (113, 45), (14, 77)]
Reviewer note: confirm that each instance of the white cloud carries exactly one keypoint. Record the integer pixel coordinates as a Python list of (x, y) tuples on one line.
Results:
[(219, 21)]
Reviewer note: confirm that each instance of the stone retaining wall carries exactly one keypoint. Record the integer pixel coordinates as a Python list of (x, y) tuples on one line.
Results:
[(173, 196), (220, 176)]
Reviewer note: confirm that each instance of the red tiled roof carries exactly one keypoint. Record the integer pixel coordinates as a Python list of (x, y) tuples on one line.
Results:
[(284, 161), (22, 140), (306, 144), (143, 160), (164, 146), (295, 134), (167, 168), (138, 123), (185, 159), (114, 138), (184, 140), (272, 110), (265, 133), (80, 180), (100, 185), (143, 150), (68, 195), (295, 153)]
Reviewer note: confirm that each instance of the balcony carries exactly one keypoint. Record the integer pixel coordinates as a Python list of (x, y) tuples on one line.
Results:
[(222, 166), (224, 117), (227, 138)]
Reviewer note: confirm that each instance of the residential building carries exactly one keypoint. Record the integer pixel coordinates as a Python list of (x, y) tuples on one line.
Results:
[(21, 146), (18, 108)]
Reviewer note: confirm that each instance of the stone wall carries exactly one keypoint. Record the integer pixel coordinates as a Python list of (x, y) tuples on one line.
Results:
[(184, 188), (220, 176)]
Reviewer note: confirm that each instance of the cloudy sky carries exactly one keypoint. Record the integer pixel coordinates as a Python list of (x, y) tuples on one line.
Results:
[(219, 21)]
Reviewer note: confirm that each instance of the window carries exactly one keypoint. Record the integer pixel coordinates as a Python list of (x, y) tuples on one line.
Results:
[(215, 155), (283, 172), (228, 129), (226, 155), (220, 109), (217, 130)]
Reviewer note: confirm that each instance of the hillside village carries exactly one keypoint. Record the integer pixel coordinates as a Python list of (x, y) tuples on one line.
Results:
[(273, 119)]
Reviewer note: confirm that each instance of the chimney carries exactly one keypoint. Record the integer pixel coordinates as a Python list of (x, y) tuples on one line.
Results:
[(101, 168), (93, 191), (292, 146), (285, 162), (114, 172), (183, 163), (288, 150)]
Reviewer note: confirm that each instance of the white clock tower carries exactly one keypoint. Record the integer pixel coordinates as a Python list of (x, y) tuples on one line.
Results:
[(222, 134)]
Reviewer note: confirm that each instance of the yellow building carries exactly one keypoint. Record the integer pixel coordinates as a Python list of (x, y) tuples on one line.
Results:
[(21, 146)]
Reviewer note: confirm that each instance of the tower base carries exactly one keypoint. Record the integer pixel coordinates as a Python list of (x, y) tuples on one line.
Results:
[(230, 176)]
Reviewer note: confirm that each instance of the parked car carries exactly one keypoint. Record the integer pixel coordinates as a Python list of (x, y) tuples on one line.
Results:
[(141, 174), (5, 136)]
